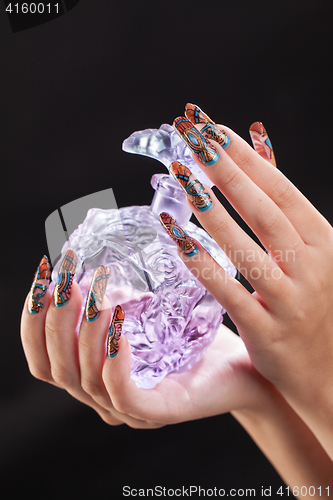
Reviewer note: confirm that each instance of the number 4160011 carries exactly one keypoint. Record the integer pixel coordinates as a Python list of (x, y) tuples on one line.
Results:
[(33, 8), (304, 491)]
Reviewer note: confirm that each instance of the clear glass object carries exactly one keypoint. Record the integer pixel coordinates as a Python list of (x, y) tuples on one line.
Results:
[(170, 318)]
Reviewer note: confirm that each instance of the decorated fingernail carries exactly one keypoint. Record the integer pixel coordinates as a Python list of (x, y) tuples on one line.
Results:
[(39, 286), (63, 287), (187, 245), (210, 130), (96, 293), (261, 142), (202, 148), (192, 186), (115, 331)]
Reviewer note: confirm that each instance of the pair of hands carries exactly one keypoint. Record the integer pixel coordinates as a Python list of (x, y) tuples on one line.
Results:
[(285, 325)]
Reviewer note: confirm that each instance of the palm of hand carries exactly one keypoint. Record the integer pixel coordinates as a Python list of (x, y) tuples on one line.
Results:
[(222, 381)]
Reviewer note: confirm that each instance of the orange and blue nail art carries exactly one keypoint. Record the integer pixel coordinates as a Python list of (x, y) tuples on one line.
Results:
[(187, 245), (39, 286), (192, 186), (115, 331), (210, 130), (64, 283), (261, 142), (96, 293), (202, 148)]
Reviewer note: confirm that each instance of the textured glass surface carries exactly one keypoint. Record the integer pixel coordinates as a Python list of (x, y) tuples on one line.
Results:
[(170, 318), (165, 145)]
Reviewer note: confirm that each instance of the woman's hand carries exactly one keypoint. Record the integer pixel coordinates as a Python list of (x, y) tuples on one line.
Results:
[(223, 380), (287, 323)]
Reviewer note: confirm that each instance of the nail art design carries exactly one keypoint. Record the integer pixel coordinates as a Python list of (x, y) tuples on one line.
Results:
[(115, 331), (64, 283), (96, 293), (39, 286), (205, 151), (183, 240), (192, 186), (210, 130), (261, 142)]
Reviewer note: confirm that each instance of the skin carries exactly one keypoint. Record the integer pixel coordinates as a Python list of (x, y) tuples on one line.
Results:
[(276, 378)]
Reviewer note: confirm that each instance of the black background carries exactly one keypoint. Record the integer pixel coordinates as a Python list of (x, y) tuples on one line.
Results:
[(71, 91)]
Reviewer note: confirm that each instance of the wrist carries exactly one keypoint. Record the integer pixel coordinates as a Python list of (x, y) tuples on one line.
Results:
[(262, 401)]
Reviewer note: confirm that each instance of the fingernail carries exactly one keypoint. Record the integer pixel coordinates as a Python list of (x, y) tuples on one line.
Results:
[(96, 293), (64, 283), (39, 286), (187, 245), (193, 188), (115, 331), (261, 142), (210, 130), (205, 151)]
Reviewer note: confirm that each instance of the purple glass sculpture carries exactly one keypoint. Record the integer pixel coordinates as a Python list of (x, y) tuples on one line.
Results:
[(170, 318)]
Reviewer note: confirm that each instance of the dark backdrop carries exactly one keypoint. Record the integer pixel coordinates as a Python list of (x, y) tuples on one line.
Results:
[(71, 91)]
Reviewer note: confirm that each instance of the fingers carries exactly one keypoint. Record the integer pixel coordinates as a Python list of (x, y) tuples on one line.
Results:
[(307, 221), (258, 210), (257, 267), (50, 339), (33, 341), (96, 337), (92, 338), (61, 340), (304, 217), (33, 323), (92, 353), (229, 292), (61, 334), (147, 408), (261, 142), (51, 359)]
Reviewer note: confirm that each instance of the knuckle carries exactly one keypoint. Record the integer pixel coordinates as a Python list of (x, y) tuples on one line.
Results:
[(270, 221), (244, 157), (137, 424), (236, 300), (63, 378), (90, 387), (110, 421), (234, 297), (283, 193), (297, 251), (50, 330), (84, 343), (121, 406), (108, 417), (144, 424), (232, 179), (220, 229), (40, 374), (155, 425)]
